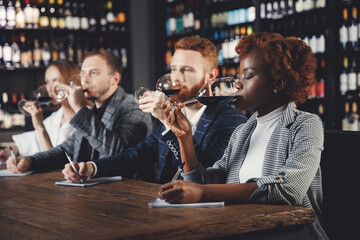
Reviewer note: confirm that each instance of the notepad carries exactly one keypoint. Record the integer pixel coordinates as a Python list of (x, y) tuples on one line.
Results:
[(90, 182), (6, 173), (158, 203)]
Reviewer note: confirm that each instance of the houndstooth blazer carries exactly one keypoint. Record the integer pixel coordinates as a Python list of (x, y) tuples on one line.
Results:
[(291, 171)]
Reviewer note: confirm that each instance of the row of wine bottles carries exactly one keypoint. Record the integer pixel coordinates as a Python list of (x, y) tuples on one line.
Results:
[(351, 122), (349, 80), (62, 14), (182, 17), (20, 51), (349, 32), (10, 116), (275, 9)]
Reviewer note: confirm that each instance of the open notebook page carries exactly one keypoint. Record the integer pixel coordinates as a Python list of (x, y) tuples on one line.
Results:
[(6, 173)]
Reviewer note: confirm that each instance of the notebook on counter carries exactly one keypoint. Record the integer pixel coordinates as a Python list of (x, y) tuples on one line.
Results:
[(90, 182), (6, 173), (158, 203)]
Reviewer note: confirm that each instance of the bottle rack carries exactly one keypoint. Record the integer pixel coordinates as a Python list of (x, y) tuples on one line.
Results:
[(63, 29), (316, 22)]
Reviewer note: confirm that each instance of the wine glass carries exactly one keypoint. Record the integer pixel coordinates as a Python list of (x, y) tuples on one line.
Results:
[(168, 85), (165, 84), (60, 91), (42, 98), (218, 91)]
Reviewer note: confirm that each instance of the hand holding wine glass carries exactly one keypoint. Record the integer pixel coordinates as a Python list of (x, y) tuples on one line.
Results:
[(72, 92), (42, 99), (154, 101)]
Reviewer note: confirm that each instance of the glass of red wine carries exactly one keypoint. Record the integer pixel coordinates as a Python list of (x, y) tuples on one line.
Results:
[(218, 91), (42, 98), (165, 84)]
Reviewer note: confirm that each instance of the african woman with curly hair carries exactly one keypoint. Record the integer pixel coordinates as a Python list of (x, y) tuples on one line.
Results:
[(273, 158)]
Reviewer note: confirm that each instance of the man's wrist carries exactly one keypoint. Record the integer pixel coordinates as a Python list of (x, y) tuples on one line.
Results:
[(93, 167)]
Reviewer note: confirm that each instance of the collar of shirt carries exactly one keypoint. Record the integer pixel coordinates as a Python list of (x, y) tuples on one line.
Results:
[(196, 118), (99, 112)]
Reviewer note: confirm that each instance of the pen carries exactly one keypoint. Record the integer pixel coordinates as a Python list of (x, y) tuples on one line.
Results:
[(72, 165), (180, 169), (13, 155)]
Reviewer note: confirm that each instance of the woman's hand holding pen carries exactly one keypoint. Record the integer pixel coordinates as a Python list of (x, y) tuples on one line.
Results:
[(85, 171), (182, 192), (22, 164)]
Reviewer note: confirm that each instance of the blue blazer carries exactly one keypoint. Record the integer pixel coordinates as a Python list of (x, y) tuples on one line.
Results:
[(157, 157)]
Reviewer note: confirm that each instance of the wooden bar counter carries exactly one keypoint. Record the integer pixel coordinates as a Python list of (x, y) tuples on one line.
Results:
[(32, 207)]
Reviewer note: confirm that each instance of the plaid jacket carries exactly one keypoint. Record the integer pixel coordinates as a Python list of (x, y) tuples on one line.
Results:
[(291, 171), (122, 125)]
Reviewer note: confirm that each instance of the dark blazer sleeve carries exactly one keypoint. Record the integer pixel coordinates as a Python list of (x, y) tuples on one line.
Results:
[(54, 158), (129, 125), (140, 159)]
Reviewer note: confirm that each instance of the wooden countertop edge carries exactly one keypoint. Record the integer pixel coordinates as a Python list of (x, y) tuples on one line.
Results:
[(233, 224)]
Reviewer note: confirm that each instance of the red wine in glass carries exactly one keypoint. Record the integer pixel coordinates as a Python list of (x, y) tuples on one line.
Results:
[(170, 92)]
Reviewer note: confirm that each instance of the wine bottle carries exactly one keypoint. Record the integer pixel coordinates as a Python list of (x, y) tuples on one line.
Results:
[(345, 123), (343, 32), (84, 21), (2, 14), (92, 20), (351, 120), (44, 20), (20, 16), (70, 49), (75, 16), (353, 29), (35, 16), (7, 57), (15, 53), (68, 15), (37, 53), (103, 22), (110, 17), (53, 14), (124, 59), (45, 52), (54, 50), (79, 51), (24, 56), (352, 78), (10, 15), (61, 14), (28, 13), (7, 122), (344, 77)]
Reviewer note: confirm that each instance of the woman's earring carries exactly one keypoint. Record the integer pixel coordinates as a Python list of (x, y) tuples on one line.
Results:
[(275, 91)]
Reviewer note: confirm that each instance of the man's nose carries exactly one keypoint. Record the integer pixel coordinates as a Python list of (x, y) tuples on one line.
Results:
[(176, 78)]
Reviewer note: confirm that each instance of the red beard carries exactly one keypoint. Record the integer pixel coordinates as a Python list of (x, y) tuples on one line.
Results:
[(186, 93)]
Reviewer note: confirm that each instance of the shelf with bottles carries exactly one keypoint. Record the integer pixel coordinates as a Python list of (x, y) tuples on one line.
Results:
[(63, 14), (29, 51), (282, 9), (228, 13)]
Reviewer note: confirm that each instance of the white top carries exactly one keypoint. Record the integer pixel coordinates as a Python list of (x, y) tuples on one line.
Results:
[(28, 142), (253, 163)]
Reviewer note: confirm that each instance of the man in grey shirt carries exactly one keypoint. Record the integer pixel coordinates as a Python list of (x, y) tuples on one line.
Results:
[(112, 125)]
